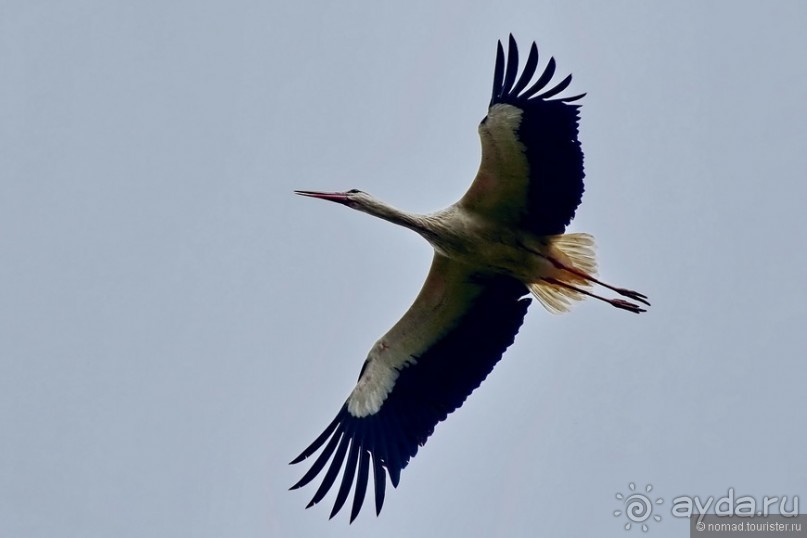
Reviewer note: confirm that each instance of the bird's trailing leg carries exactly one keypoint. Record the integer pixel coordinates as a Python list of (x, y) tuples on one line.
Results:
[(573, 268), (635, 295), (619, 303)]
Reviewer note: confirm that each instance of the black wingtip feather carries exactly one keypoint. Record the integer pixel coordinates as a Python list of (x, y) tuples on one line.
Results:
[(572, 98), (319, 463), (498, 73), (361, 484), (318, 442), (512, 65), (529, 70), (333, 471), (380, 482), (543, 80), (557, 89), (348, 475)]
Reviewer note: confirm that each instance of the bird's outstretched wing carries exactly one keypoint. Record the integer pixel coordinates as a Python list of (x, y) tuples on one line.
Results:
[(531, 175), (420, 371)]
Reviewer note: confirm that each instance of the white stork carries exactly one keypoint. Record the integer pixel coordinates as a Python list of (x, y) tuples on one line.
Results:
[(502, 239)]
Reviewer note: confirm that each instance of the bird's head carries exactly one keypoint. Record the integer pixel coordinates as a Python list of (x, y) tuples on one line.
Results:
[(353, 198), (361, 201)]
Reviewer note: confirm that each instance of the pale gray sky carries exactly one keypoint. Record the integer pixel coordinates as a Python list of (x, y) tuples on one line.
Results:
[(175, 325)]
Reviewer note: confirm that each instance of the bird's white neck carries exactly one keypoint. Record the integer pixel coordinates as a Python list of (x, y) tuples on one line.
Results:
[(413, 221)]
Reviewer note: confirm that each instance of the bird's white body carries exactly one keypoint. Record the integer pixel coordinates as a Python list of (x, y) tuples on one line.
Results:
[(482, 242), (488, 245)]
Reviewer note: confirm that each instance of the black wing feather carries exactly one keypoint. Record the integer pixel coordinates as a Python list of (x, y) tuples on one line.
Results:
[(548, 130), (320, 462), (546, 76), (512, 64), (557, 89), (498, 72), (347, 476), (361, 483), (313, 447), (529, 70), (424, 394), (333, 470), (380, 482)]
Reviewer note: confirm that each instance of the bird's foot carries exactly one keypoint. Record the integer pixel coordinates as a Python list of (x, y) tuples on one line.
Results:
[(635, 295), (627, 305)]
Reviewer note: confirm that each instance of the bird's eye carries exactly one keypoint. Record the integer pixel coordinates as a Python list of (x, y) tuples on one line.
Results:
[(353, 191)]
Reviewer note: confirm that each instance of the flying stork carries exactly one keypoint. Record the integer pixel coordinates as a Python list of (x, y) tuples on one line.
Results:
[(501, 241)]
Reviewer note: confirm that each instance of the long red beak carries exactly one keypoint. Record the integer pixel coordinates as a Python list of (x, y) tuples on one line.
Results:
[(340, 197)]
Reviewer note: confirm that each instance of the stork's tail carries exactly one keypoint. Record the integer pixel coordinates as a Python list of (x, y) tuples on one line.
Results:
[(573, 273), (569, 250)]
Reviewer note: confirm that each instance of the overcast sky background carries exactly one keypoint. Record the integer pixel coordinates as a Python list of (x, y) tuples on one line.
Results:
[(176, 325)]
